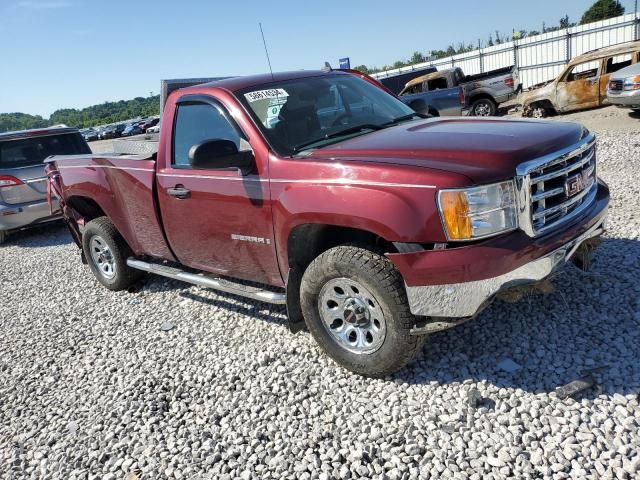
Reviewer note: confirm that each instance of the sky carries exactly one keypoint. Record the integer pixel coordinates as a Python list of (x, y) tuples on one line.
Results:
[(75, 53)]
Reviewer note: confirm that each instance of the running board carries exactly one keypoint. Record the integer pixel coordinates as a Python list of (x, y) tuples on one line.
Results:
[(209, 281)]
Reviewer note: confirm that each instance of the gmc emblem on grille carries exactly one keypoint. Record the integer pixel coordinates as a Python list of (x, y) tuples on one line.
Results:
[(577, 183)]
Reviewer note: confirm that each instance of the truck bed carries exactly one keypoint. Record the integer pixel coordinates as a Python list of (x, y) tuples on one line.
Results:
[(124, 186), (485, 75)]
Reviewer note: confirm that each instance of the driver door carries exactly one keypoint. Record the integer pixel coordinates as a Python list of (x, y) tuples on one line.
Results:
[(216, 220), (580, 87)]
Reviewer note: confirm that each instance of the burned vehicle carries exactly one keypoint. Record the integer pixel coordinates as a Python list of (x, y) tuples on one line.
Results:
[(582, 84)]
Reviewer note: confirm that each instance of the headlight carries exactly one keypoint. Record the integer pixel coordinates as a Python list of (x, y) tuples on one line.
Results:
[(632, 83), (470, 213)]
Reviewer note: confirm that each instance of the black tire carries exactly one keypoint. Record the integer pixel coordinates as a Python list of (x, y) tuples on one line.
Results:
[(3, 236), (123, 276), (378, 275), (483, 107)]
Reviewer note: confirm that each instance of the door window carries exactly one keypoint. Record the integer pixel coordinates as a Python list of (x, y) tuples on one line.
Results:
[(618, 62), (438, 83), (195, 123), (583, 71)]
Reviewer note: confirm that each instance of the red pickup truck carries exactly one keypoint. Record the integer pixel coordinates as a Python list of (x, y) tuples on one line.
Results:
[(319, 190)]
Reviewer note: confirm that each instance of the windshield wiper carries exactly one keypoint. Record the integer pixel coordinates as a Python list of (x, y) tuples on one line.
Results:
[(341, 133)]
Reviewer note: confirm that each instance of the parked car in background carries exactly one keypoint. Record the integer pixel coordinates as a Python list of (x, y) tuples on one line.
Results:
[(375, 227), (152, 122), (624, 87), (154, 129), (582, 83), (89, 134), (132, 129), (483, 92), (112, 131), (23, 184)]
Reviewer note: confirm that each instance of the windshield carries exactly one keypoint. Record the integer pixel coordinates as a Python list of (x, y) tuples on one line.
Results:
[(311, 112)]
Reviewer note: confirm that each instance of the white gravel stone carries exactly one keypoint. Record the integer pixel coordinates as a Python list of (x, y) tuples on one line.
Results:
[(92, 387)]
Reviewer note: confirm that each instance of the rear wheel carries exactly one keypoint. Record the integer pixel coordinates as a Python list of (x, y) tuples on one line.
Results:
[(355, 305), (106, 253), (483, 107)]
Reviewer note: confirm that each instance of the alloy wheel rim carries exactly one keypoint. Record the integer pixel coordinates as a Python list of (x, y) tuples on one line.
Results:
[(538, 113), (482, 110), (352, 316), (102, 257)]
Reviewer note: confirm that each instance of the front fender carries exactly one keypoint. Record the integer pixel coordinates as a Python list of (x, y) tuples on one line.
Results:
[(399, 216)]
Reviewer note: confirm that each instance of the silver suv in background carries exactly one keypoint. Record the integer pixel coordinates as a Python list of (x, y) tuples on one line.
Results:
[(624, 87), (23, 184)]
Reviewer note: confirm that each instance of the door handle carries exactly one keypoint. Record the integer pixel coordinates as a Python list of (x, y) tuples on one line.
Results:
[(179, 192)]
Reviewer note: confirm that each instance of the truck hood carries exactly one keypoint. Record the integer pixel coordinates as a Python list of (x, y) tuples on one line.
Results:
[(542, 91), (483, 150)]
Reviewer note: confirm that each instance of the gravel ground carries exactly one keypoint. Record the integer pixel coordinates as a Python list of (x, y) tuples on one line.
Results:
[(91, 386)]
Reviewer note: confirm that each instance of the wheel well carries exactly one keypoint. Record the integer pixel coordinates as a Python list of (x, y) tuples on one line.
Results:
[(482, 96), (86, 207), (307, 241), (546, 104)]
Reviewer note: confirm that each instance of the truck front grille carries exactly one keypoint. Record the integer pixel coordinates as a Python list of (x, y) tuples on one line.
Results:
[(616, 85), (556, 188)]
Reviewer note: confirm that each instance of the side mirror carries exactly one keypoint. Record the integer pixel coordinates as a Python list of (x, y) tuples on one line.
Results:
[(419, 106), (221, 154)]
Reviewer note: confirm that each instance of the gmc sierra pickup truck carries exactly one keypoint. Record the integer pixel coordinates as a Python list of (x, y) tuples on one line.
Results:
[(323, 192)]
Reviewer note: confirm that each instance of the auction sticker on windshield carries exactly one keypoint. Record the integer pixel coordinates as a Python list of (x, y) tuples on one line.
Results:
[(264, 94)]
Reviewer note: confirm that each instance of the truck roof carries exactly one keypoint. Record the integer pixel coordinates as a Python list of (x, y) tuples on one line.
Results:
[(37, 132), (617, 49), (238, 83), (428, 76)]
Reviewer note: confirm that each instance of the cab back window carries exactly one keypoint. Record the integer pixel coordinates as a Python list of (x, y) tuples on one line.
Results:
[(26, 152)]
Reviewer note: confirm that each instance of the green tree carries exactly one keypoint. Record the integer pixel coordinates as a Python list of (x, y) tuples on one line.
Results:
[(21, 121), (363, 69), (417, 57), (601, 10)]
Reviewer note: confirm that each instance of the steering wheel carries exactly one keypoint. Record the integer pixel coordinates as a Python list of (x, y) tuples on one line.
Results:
[(339, 118)]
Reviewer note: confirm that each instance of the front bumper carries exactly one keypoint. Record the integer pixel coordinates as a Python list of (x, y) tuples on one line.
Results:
[(461, 300), (460, 282), (630, 98), (25, 214)]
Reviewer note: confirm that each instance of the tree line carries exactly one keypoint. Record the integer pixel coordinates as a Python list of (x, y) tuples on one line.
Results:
[(108, 112), (600, 10)]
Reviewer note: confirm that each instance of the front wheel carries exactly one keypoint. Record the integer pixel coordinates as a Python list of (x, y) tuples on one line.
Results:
[(106, 253), (483, 107), (355, 305), (538, 111)]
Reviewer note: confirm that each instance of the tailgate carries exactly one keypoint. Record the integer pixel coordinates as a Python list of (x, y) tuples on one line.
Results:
[(30, 187)]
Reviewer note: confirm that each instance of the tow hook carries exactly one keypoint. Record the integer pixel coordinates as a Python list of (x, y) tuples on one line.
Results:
[(584, 254)]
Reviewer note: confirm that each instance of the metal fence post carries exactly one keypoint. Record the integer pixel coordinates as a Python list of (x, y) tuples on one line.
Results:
[(568, 45), (480, 57)]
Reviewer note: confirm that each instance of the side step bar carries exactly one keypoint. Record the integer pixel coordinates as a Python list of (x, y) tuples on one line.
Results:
[(210, 281)]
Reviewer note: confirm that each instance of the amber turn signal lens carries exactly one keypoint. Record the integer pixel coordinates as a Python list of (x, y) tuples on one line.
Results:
[(455, 214), (633, 83)]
